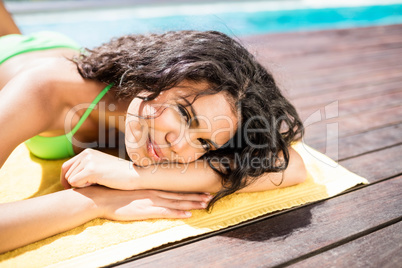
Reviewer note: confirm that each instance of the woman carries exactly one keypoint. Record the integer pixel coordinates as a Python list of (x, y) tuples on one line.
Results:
[(199, 114)]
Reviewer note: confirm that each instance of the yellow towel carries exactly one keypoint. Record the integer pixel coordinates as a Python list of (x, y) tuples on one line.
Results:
[(101, 242)]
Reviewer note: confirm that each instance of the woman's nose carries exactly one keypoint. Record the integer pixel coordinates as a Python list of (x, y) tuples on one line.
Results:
[(176, 140), (181, 141), (171, 138), (178, 135)]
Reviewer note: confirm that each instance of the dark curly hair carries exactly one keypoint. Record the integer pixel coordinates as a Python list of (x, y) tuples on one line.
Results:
[(158, 62)]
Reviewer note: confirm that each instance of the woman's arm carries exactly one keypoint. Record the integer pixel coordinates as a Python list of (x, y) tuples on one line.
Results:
[(198, 176), (27, 108), (294, 174), (7, 24), (91, 167), (30, 220)]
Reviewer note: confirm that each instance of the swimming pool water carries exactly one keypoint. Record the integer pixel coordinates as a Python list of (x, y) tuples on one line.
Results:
[(94, 30)]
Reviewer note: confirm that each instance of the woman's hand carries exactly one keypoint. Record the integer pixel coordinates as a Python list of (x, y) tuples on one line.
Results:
[(23, 222), (95, 167), (145, 204)]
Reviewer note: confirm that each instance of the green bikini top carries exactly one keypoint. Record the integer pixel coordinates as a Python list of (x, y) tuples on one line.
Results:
[(61, 146)]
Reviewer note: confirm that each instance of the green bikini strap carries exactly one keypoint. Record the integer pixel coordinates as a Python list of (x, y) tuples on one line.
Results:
[(89, 110)]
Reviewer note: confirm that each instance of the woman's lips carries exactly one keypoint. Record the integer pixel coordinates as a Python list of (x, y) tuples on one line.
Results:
[(153, 149)]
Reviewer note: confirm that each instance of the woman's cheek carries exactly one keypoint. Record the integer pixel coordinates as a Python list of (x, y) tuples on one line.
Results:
[(135, 135)]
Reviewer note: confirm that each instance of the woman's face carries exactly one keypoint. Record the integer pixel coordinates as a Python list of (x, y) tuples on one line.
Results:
[(176, 128)]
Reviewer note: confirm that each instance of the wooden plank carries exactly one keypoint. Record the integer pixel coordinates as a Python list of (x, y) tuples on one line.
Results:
[(289, 45), (315, 77), (379, 249), (339, 59), (291, 235), (350, 77), (298, 88), (316, 37), (376, 165), (363, 143), (361, 104), (319, 129), (297, 48), (320, 99), (333, 62), (283, 55), (325, 50)]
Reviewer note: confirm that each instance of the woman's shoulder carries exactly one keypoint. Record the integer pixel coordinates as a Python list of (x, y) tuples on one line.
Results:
[(59, 79), (55, 85), (30, 60)]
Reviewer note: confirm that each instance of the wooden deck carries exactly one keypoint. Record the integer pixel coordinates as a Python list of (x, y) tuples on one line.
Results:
[(347, 85)]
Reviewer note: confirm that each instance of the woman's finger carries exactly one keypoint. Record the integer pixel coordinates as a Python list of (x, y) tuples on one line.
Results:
[(172, 203), (183, 204), (79, 179), (70, 161), (76, 168), (184, 196), (169, 213), (73, 167), (65, 168)]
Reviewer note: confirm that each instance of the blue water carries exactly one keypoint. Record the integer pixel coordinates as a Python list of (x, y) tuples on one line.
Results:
[(92, 33)]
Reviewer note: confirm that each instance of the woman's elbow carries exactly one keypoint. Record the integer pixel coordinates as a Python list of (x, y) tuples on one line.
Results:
[(296, 172), (300, 175)]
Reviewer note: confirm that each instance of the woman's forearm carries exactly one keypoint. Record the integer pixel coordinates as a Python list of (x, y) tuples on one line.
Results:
[(30, 220), (94, 167), (199, 177), (191, 177), (294, 174)]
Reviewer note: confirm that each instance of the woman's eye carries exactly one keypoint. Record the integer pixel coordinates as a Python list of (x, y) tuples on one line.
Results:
[(184, 113), (205, 145)]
